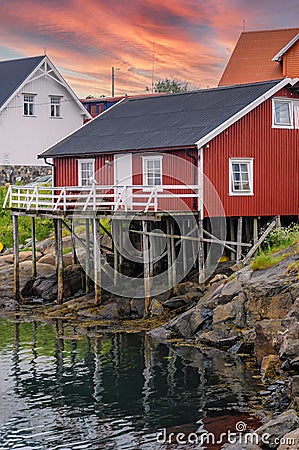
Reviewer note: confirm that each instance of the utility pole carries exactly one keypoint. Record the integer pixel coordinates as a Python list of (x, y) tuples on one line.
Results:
[(112, 80)]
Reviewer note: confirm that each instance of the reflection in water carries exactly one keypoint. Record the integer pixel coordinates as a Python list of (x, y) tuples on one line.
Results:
[(113, 392)]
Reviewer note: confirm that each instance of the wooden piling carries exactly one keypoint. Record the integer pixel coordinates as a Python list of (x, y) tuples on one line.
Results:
[(173, 254), (33, 247), (255, 230), (146, 265), (239, 239), (169, 256), (59, 261), (87, 256), (97, 262), (114, 229), (16, 264), (74, 255), (232, 237), (201, 262)]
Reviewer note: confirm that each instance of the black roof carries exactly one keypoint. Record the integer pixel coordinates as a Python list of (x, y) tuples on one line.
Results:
[(162, 121), (12, 74)]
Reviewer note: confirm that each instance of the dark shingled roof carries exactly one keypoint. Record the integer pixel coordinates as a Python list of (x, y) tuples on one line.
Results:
[(12, 74), (164, 121)]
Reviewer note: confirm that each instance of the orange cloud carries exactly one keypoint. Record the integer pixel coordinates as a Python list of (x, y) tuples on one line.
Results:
[(192, 38)]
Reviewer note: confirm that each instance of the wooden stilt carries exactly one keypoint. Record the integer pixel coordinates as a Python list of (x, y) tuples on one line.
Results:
[(278, 222), (201, 262), (184, 248), (87, 256), (232, 237), (239, 239), (255, 230), (33, 247), (114, 227), (74, 256), (169, 257), (146, 263), (59, 259), (16, 262), (173, 255), (97, 262), (151, 253), (247, 229)]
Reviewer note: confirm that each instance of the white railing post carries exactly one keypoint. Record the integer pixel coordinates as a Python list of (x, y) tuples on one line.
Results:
[(94, 197), (64, 199)]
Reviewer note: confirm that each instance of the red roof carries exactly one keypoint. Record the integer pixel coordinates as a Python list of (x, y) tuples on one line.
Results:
[(252, 58)]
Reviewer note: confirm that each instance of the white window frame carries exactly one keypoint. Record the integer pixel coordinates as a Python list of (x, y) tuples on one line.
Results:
[(249, 162), (80, 178), (289, 102), (56, 106), (26, 100), (145, 160)]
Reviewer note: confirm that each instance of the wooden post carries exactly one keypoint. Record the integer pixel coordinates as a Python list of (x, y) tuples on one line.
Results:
[(114, 227), (97, 262), (232, 237), (151, 254), (278, 222), (16, 261), (169, 256), (201, 262), (74, 256), (146, 264), (239, 239), (59, 261), (173, 255), (255, 230), (33, 247), (184, 249), (87, 257)]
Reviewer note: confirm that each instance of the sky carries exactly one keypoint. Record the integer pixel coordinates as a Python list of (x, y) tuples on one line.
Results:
[(189, 40)]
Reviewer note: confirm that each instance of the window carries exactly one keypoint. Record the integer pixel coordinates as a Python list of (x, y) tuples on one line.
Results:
[(240, 176), (28, 105), (86, 172), (152, 170), (55, 107), (282, 113)]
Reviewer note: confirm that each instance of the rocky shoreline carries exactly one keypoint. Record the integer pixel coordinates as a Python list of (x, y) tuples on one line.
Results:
[(251, 312)]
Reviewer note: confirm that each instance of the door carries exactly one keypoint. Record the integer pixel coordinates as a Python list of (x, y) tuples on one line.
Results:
[(123, 177)]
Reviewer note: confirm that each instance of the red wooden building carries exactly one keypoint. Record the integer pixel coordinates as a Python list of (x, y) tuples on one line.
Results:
[(243, 139)]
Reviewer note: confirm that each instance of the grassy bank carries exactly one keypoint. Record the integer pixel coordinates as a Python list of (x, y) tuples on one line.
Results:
[(272, 250), (43, 226)]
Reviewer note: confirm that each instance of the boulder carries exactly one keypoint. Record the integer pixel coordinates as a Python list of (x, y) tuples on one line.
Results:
[(267, 338), (289, 348), (229, 291), (181, 301), (221, 337), (270, 365), (137, 307), (290, 441), (232, 312), (276, 428), (160, 334), (190, 322), (108, 312), (47, 259), (156, 308)]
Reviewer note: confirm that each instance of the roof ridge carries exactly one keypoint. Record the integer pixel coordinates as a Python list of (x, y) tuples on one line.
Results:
[(271, 30), (22, 59)]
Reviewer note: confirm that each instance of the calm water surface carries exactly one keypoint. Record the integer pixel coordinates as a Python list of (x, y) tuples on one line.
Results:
[(112, 391)]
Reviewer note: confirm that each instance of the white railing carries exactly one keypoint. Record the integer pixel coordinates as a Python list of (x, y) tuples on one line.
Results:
[(94, 198)]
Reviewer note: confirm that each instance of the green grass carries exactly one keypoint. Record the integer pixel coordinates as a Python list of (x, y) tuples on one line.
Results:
[(279, 239), (43, 227)]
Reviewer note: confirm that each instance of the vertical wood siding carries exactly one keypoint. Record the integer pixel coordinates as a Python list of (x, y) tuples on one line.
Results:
[(275, 165)]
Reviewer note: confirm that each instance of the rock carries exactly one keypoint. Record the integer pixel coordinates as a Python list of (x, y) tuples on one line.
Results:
[(46, 246), (278, 427), (294, 386), (160, 334), (290, 441), (267, 338), (183, 288), (74, 277), (188, 324), (108, 312), (218, 277), (222, 337), (156, 308), (232, 312), (8, 304), (124, 306), (289, 348), (67, 260), (46, 288), (27, 255), (294, 363), (47, 259), (269, 366), (137, 307), (183, 300), (229, 291), (240, 446)]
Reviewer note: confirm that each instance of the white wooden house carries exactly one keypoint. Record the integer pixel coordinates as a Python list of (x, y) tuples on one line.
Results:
[(37, 109)]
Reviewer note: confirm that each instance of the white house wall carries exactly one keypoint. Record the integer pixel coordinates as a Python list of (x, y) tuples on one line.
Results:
[(22, 138)]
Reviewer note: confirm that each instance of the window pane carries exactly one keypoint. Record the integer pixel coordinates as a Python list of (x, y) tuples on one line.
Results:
[(282, 113), (240, 177)]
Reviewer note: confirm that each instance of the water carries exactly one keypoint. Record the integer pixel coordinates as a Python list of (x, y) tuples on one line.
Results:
[(114, 391)]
